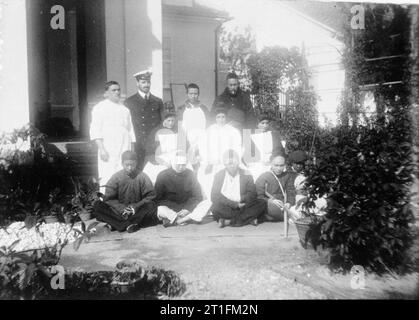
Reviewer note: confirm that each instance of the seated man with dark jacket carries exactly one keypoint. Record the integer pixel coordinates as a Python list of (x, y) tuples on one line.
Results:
[(128, 201), (276, 187), (179, 197), (233, 195)]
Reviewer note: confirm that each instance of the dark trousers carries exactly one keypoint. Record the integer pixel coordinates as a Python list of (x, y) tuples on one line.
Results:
[(140, 151), (239, 217), (145, 216)]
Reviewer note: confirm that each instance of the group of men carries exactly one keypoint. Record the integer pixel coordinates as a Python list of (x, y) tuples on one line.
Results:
[(177, 168)]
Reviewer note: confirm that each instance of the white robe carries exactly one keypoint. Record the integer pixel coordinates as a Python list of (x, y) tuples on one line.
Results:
[(264, 144), (167, 149), (212, 148), (112, 123), (194, 124)]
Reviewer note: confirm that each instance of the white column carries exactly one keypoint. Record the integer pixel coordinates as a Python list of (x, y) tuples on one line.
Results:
[(134, 42), (14, 89), (143, 41), (115, 43)]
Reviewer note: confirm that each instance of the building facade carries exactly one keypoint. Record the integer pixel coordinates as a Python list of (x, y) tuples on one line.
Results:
[(56, 56)]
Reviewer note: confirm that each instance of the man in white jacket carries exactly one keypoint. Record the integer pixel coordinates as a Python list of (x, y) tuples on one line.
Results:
[(111, 129)]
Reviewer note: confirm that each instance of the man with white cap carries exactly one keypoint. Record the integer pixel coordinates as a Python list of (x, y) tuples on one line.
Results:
[(146, 111), (178, 194)]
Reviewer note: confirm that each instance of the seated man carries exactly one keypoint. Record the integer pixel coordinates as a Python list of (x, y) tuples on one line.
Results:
[(234, 196), (160, 145), (179, 196), (276, 187), (128, 201), (219, 138)]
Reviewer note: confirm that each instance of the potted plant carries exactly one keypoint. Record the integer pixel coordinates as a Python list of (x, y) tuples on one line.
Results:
[(69, 217), (55, 209), (308, 228), (85, 195), (309, 224), (127, 275)]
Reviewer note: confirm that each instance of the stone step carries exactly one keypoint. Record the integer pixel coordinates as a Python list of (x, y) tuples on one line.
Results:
[(81, 157)]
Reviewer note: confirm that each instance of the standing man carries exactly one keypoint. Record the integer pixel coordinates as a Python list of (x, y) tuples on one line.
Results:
[(194, 117), (237, 102), (112, 130), (146, 111)]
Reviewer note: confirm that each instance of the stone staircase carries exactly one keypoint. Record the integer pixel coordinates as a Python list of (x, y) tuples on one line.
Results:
[(80, 157)]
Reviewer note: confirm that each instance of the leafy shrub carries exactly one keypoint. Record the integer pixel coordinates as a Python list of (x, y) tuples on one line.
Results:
[(32, 177), (366, 175), (279, 71)]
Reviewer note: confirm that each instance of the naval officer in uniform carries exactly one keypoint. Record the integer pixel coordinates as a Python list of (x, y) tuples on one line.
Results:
[(146, 111)]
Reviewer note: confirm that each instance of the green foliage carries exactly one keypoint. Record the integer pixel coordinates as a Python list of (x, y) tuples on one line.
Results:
[(280, 71), (366, 174), (23, 275), (365, 168), (31, 176), (386, 36), (84, 196), (28, 276), (236, 46)]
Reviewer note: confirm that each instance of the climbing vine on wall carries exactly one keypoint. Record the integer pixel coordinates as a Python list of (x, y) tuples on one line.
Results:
[(280, 87)]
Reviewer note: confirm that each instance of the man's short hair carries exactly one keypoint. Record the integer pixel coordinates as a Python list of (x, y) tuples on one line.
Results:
[(272, 157), (232, 75), (219, 110), (179, 157), (129, 155), (298, 156), (230, 154), (192, 86), (264, 116), (110, 83), (169, 115)]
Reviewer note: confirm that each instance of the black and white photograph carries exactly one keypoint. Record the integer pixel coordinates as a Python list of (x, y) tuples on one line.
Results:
[(209, 154)]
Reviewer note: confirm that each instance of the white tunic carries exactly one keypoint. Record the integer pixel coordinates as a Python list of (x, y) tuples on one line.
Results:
[(112, 123), (231, 187), (194, 124), (167, 148), (264, 144), (218, 140), (215, 143)]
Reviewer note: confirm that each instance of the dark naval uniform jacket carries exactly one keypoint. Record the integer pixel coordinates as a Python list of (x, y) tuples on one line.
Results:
[(145, 115)]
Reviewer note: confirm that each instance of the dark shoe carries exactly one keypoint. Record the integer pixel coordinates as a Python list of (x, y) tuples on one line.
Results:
[(167, 223), (133, 228), (111, 229)]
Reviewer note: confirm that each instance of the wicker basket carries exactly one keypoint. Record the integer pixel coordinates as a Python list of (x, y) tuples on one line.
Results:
[(308, 232)]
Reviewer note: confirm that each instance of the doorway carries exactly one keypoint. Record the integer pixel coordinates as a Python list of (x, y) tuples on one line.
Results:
[(66, 65)]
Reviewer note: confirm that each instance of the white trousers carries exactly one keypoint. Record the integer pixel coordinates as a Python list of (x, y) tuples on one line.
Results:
[(197, 214)]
